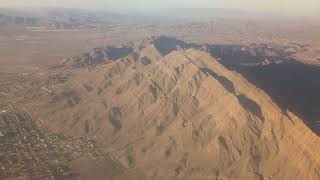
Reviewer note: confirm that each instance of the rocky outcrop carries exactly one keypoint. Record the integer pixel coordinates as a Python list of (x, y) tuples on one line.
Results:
[(98, 56)]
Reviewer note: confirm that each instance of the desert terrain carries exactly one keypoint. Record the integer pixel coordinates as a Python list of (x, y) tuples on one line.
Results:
[(107, 96)]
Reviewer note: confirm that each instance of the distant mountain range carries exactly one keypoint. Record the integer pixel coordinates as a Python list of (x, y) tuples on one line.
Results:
[(56, 21)]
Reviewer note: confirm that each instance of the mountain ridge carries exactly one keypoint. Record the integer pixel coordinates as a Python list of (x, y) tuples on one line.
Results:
[(176, 115)]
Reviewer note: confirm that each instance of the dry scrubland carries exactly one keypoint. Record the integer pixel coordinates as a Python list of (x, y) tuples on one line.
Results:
[(47, 47)]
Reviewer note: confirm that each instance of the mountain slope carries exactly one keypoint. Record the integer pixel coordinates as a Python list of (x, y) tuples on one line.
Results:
[(176, 115), (28, 151), (292, 83)]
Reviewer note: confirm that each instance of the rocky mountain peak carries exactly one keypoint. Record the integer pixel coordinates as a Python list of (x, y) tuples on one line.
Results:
[(174, 111)]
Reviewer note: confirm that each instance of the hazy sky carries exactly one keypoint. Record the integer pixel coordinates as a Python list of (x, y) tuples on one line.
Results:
[(286, 7)]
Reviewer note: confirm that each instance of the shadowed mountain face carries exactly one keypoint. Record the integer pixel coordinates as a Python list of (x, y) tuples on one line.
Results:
[(117, 53), (292, 85), (165, 44), (249, 54), (244, 101)]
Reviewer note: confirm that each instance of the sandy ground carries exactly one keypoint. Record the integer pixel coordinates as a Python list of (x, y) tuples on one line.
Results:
[(42, 48)]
